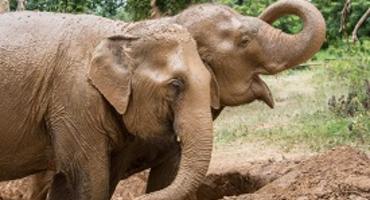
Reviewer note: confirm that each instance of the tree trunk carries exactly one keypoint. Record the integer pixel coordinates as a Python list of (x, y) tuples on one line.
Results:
[(4, 6), (359, 24), (21, 5), (156, 13)]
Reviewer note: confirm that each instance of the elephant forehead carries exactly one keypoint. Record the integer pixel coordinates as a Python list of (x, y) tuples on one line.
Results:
[(250, 25), (155, 53), (228, 22), (182, 61), (162, 65)]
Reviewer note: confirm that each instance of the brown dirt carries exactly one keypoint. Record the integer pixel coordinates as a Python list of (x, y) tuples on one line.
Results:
[(342, 173)]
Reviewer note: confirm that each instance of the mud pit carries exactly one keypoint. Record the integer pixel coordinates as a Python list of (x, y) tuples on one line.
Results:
[(342, 173)]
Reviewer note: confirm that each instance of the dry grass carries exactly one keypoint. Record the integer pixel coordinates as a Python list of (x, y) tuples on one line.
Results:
[(301, 119)]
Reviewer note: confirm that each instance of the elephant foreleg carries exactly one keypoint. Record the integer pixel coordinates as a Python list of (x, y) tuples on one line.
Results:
[(82, 163), (163, 174), (81, 180)]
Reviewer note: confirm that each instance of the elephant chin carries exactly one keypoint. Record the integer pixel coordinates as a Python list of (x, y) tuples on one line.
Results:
[(262, 92), (255, 89)]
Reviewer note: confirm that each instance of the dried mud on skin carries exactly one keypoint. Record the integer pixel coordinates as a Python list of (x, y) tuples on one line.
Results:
[(340, 174)]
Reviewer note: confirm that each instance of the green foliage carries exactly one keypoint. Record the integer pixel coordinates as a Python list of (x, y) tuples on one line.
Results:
[(106, 8), (331, 10), (289, 24), (140, 9), (350, 65), (325, 130)]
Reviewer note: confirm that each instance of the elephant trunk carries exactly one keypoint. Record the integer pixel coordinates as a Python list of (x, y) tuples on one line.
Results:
[(289, 50), (193, 126), (196, 148)]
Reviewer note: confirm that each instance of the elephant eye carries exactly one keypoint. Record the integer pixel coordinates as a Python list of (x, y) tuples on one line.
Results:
[(174, 88), (244, 41), (177, 85)]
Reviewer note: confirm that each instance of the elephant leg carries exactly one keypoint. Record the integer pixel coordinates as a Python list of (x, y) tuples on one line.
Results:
[(163, 174), (82, 163), (81, 181)]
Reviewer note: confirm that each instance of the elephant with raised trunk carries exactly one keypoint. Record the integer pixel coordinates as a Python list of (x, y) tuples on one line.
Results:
[(77, 91), (238, 48)]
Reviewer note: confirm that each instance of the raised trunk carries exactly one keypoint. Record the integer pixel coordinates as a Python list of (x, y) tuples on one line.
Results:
[(289, 50)]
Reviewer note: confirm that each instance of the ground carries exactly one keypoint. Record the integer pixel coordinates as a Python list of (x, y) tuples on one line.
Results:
[(281, 153)]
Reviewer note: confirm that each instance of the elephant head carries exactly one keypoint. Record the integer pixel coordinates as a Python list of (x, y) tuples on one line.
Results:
[(155, 80), (238, 48)]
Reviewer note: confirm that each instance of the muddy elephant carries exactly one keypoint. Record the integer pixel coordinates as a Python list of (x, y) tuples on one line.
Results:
[(236, 49), (78, 90)]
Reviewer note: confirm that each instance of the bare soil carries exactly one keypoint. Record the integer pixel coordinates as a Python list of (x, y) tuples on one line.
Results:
[(342, 173)]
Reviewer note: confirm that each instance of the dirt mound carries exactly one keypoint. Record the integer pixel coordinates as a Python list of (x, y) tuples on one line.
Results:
[(245, 179), (341, 174)]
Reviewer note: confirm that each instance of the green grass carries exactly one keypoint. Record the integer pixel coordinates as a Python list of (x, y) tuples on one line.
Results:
[(302, 117)]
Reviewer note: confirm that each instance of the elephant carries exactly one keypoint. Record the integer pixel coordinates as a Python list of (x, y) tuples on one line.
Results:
[(78, 91), (236, 49)]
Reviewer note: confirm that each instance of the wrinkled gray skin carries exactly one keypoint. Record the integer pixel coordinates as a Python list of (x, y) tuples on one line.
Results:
[(82, 95), (237, 49)]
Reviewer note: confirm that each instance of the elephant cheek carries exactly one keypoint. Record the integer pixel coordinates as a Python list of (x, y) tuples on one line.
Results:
[(148, 128)]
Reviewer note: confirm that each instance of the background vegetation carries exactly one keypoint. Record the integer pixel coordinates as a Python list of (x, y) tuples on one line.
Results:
[(323, 103), (132, 10)]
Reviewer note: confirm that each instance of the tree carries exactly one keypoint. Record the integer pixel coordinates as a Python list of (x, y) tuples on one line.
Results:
[(155, 13), (142, 9), (359, 24), (21, 5)]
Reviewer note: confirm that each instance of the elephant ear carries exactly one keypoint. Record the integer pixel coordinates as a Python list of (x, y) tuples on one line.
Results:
[(110, 71), (215, 90)]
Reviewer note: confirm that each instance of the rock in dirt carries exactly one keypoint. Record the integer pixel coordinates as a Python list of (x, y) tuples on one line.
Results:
[(340, 174)]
